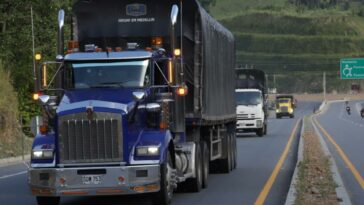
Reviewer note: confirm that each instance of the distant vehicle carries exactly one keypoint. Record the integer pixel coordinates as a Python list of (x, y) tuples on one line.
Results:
[(348, 110), (251, 101), (285, 105), (362, 112)]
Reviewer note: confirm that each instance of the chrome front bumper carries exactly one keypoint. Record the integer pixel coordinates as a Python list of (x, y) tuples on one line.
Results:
[(117, 180)]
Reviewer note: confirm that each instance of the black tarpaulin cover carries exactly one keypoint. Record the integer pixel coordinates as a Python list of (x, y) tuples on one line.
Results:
[(208, 48)]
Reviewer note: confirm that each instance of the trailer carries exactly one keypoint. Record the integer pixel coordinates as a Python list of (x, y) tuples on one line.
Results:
[(142, 101)]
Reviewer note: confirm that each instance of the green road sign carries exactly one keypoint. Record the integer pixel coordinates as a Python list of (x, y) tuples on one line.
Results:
[(352, 68)]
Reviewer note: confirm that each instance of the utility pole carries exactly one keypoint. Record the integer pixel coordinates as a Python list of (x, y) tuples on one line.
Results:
[(324, 85)]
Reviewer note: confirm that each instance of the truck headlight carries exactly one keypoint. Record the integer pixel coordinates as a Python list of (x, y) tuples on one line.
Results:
[(43, 154), (147, 151), (259, 123), (277, 110)]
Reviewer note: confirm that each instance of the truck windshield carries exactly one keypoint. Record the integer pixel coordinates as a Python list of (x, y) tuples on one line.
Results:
[(110, 74), (248, 98), (284, 100)]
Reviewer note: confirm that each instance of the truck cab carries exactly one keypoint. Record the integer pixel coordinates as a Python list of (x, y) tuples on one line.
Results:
[(285, 105), (251, 101), (250, 111)]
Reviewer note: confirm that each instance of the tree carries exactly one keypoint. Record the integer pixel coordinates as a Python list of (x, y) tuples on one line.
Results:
[(16, 42)]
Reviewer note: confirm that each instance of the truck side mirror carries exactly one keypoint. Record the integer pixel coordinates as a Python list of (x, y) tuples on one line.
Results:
[(44, 99), (138, 96)]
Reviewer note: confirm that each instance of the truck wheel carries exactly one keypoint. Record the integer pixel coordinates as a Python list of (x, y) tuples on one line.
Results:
[(165, 194), (291, 116), (205, 164), (265, 129), (45, 200), (195, 184), (225, 164), (278, 116), (232, 152), (235, 152), (260, 132)]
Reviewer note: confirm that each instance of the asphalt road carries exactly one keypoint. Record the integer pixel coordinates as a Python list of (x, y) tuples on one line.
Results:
[(248, 184), (347, 131)]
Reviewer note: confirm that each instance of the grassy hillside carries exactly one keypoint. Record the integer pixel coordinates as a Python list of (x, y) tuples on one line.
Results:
[(10, 132), (277, 36)]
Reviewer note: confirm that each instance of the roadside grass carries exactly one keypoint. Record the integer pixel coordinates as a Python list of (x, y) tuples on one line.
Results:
[(12, 139), (315, 183)]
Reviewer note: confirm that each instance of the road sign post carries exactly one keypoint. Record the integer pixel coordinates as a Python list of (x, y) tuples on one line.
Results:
[(352, 68)]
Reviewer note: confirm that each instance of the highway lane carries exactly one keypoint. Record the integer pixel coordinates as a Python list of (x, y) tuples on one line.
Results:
[(347, 131), (257, 158)]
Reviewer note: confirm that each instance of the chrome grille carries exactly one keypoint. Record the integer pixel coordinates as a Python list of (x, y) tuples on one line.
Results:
[(242, 116), (284, 109), (90, 141)]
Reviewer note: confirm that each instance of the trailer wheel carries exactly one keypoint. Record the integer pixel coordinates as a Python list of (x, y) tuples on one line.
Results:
[(235, 151), (206, 164), (195, 184), (225, 164), (232, 152), (167, 185), (43, 200)]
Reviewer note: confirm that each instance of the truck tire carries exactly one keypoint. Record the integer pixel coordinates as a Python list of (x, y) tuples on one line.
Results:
[(232, 148), (195, 184), (291, 116), (265, 129), (235, 152), (205, 164), (165, 194), (45, 200), (225, 164), (278, 116), (260, 132)]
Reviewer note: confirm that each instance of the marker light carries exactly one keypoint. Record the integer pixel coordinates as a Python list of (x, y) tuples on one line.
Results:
[(35, 96), (177, 52), (44, 75), (73, 46), (157, 41), (170, 72), (182, 91), (38, 57), (43, 129)]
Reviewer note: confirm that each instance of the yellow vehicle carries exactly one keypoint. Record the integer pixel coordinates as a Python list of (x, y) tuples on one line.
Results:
[(285, 105)]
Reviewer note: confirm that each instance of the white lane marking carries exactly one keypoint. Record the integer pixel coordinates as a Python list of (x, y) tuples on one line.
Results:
[(26, 164), (13, 175)]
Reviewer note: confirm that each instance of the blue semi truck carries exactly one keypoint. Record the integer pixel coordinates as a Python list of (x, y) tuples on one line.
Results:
[(140, 102)]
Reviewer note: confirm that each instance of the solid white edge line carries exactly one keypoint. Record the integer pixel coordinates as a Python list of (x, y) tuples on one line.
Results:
[(13, 175)]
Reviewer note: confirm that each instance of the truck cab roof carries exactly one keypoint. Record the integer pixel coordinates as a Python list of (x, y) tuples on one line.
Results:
[(123, 55)]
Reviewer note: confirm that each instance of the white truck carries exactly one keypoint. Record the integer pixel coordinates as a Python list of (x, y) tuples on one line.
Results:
[(251, 103)]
